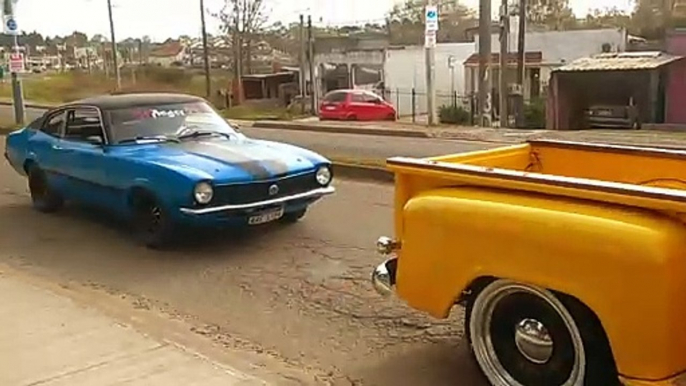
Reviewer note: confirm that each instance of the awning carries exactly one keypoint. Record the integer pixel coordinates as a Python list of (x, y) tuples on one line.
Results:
[(620, 61)]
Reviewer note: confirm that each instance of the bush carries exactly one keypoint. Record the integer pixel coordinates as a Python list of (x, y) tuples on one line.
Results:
[(453, 114), (534, 114)]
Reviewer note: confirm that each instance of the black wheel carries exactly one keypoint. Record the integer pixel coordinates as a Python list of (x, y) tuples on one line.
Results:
[(293, 217), (151, 224), (636, 125), (522, 335), (43, 197), (351, 117)]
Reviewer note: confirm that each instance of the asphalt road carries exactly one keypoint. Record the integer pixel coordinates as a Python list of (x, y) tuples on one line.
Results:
[(342, 146), (299, 293)]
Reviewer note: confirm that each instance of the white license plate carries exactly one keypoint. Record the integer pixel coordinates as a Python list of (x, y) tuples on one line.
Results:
[(329, 108), (266, 217)]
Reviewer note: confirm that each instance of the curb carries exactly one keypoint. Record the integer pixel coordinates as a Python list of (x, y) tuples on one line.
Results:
[(362, 172), (335, 129)]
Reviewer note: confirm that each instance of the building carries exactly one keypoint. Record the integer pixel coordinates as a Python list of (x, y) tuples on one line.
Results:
[(545, 51), (610, 80), (405, 71), (168, 54)]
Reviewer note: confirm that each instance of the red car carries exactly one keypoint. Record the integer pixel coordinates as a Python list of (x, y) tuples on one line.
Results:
[(355, 105)]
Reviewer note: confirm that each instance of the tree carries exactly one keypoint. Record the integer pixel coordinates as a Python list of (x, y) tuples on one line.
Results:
[(406, 21), (242, 22), (551, 14), (607, 18)]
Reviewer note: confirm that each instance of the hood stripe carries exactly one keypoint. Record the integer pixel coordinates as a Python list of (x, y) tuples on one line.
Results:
[(230, 155), (270, 158)]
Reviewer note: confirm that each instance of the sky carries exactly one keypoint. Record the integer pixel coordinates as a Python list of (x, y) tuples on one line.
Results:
[(161, 19)]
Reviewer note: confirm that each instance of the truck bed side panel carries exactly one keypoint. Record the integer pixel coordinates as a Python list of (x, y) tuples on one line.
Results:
[(625, 263)]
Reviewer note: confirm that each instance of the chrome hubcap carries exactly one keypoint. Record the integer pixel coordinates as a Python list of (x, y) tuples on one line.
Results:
[(533, 341)]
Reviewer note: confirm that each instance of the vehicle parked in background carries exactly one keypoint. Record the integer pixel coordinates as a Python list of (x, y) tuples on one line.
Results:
[(568, 257), (163, 161), (355, 105), (613, 116)]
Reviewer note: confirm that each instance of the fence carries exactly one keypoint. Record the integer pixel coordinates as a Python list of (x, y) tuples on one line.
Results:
[(410, 103)]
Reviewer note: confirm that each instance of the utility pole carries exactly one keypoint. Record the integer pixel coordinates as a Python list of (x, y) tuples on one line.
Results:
[(310, 62), (205, 50), (115, 61), (17, 90), (504, 52), (485, 104), (521, 38), (238, 47), (431, 30), (303, 84)]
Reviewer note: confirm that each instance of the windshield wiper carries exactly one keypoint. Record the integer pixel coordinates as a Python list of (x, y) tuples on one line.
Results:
[(149, 137), (200, 133)]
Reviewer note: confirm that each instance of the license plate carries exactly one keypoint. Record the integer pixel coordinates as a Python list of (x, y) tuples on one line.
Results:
[(329, 108), (266, 217), (605, 113)]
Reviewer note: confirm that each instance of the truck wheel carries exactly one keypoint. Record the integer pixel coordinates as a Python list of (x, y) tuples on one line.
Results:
[(523, 335), (43, 197)]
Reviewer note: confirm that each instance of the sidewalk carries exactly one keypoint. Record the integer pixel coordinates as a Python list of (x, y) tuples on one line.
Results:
[(48, 340), (669, 139)]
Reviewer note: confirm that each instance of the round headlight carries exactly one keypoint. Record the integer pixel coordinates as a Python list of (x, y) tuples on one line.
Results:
[(203, 193), (323, 175)]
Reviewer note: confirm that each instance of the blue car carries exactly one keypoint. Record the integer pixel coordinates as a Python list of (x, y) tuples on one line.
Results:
[(163, 161)]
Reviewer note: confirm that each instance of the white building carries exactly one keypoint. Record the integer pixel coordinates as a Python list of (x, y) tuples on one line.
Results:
[(405, 70)]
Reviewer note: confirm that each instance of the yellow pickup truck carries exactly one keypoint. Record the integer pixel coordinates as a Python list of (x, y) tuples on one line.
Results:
[(570, 259)]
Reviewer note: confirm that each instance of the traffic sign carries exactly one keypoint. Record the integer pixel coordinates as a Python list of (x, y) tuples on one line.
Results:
[(11, 26), (430, 39), (431, 18), (16, 62)]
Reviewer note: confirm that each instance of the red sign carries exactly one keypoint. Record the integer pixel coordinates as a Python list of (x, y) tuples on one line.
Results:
[(16, 62)]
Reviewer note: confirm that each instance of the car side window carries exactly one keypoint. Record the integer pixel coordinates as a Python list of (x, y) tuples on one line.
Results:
[(53, 124), (335, 97), (83, 124), (371, 98), (358, 98)]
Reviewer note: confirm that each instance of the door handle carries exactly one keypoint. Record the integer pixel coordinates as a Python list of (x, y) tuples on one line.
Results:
[(57, 147)]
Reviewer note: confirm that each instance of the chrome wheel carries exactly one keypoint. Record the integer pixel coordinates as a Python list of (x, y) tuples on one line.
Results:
[(522, 335)]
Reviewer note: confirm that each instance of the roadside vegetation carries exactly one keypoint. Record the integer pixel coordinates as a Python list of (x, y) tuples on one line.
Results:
[(55, 88)]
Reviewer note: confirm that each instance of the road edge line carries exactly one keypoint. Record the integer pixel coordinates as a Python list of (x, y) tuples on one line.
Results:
[(362, 172)]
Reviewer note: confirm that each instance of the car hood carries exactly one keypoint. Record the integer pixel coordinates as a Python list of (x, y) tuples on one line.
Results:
[(227, 161)]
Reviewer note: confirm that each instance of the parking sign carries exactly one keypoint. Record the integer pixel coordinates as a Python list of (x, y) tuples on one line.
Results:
[(431, 18)]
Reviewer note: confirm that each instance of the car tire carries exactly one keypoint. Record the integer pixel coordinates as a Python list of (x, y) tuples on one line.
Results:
[(512, 328), (636, 125), (43, 197), (151, 223), (351, 117), (293, 217), (391, 117)]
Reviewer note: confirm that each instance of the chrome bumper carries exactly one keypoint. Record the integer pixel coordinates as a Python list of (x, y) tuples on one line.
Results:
[(383, 277), (316, 193)]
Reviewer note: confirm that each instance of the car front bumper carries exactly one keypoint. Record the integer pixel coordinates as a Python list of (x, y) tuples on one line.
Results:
[(238, 214), (384, 275)]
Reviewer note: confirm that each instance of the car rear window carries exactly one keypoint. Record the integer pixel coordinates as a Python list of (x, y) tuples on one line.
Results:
[(335, 97)]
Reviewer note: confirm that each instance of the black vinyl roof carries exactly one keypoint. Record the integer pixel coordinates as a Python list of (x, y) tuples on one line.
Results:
[(133, 100)]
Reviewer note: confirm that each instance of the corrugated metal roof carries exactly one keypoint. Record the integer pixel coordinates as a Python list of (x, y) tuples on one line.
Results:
[(620, 61)]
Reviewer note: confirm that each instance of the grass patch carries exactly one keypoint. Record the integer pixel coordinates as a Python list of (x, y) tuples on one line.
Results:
[(74, 85)]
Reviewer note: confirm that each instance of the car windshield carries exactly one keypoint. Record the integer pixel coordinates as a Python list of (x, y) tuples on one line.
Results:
[(167, 122)]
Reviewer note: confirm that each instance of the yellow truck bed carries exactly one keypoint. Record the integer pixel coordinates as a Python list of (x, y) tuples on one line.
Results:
[(603, 224), (636, 176)]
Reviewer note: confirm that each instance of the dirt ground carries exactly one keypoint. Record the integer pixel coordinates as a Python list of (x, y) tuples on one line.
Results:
[(299, 294)]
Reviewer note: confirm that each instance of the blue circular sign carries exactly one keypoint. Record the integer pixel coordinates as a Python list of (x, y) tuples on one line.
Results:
[(431, 15), (11, 24)]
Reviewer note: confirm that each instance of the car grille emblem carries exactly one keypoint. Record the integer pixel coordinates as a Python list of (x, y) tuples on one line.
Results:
[(273, 190)]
